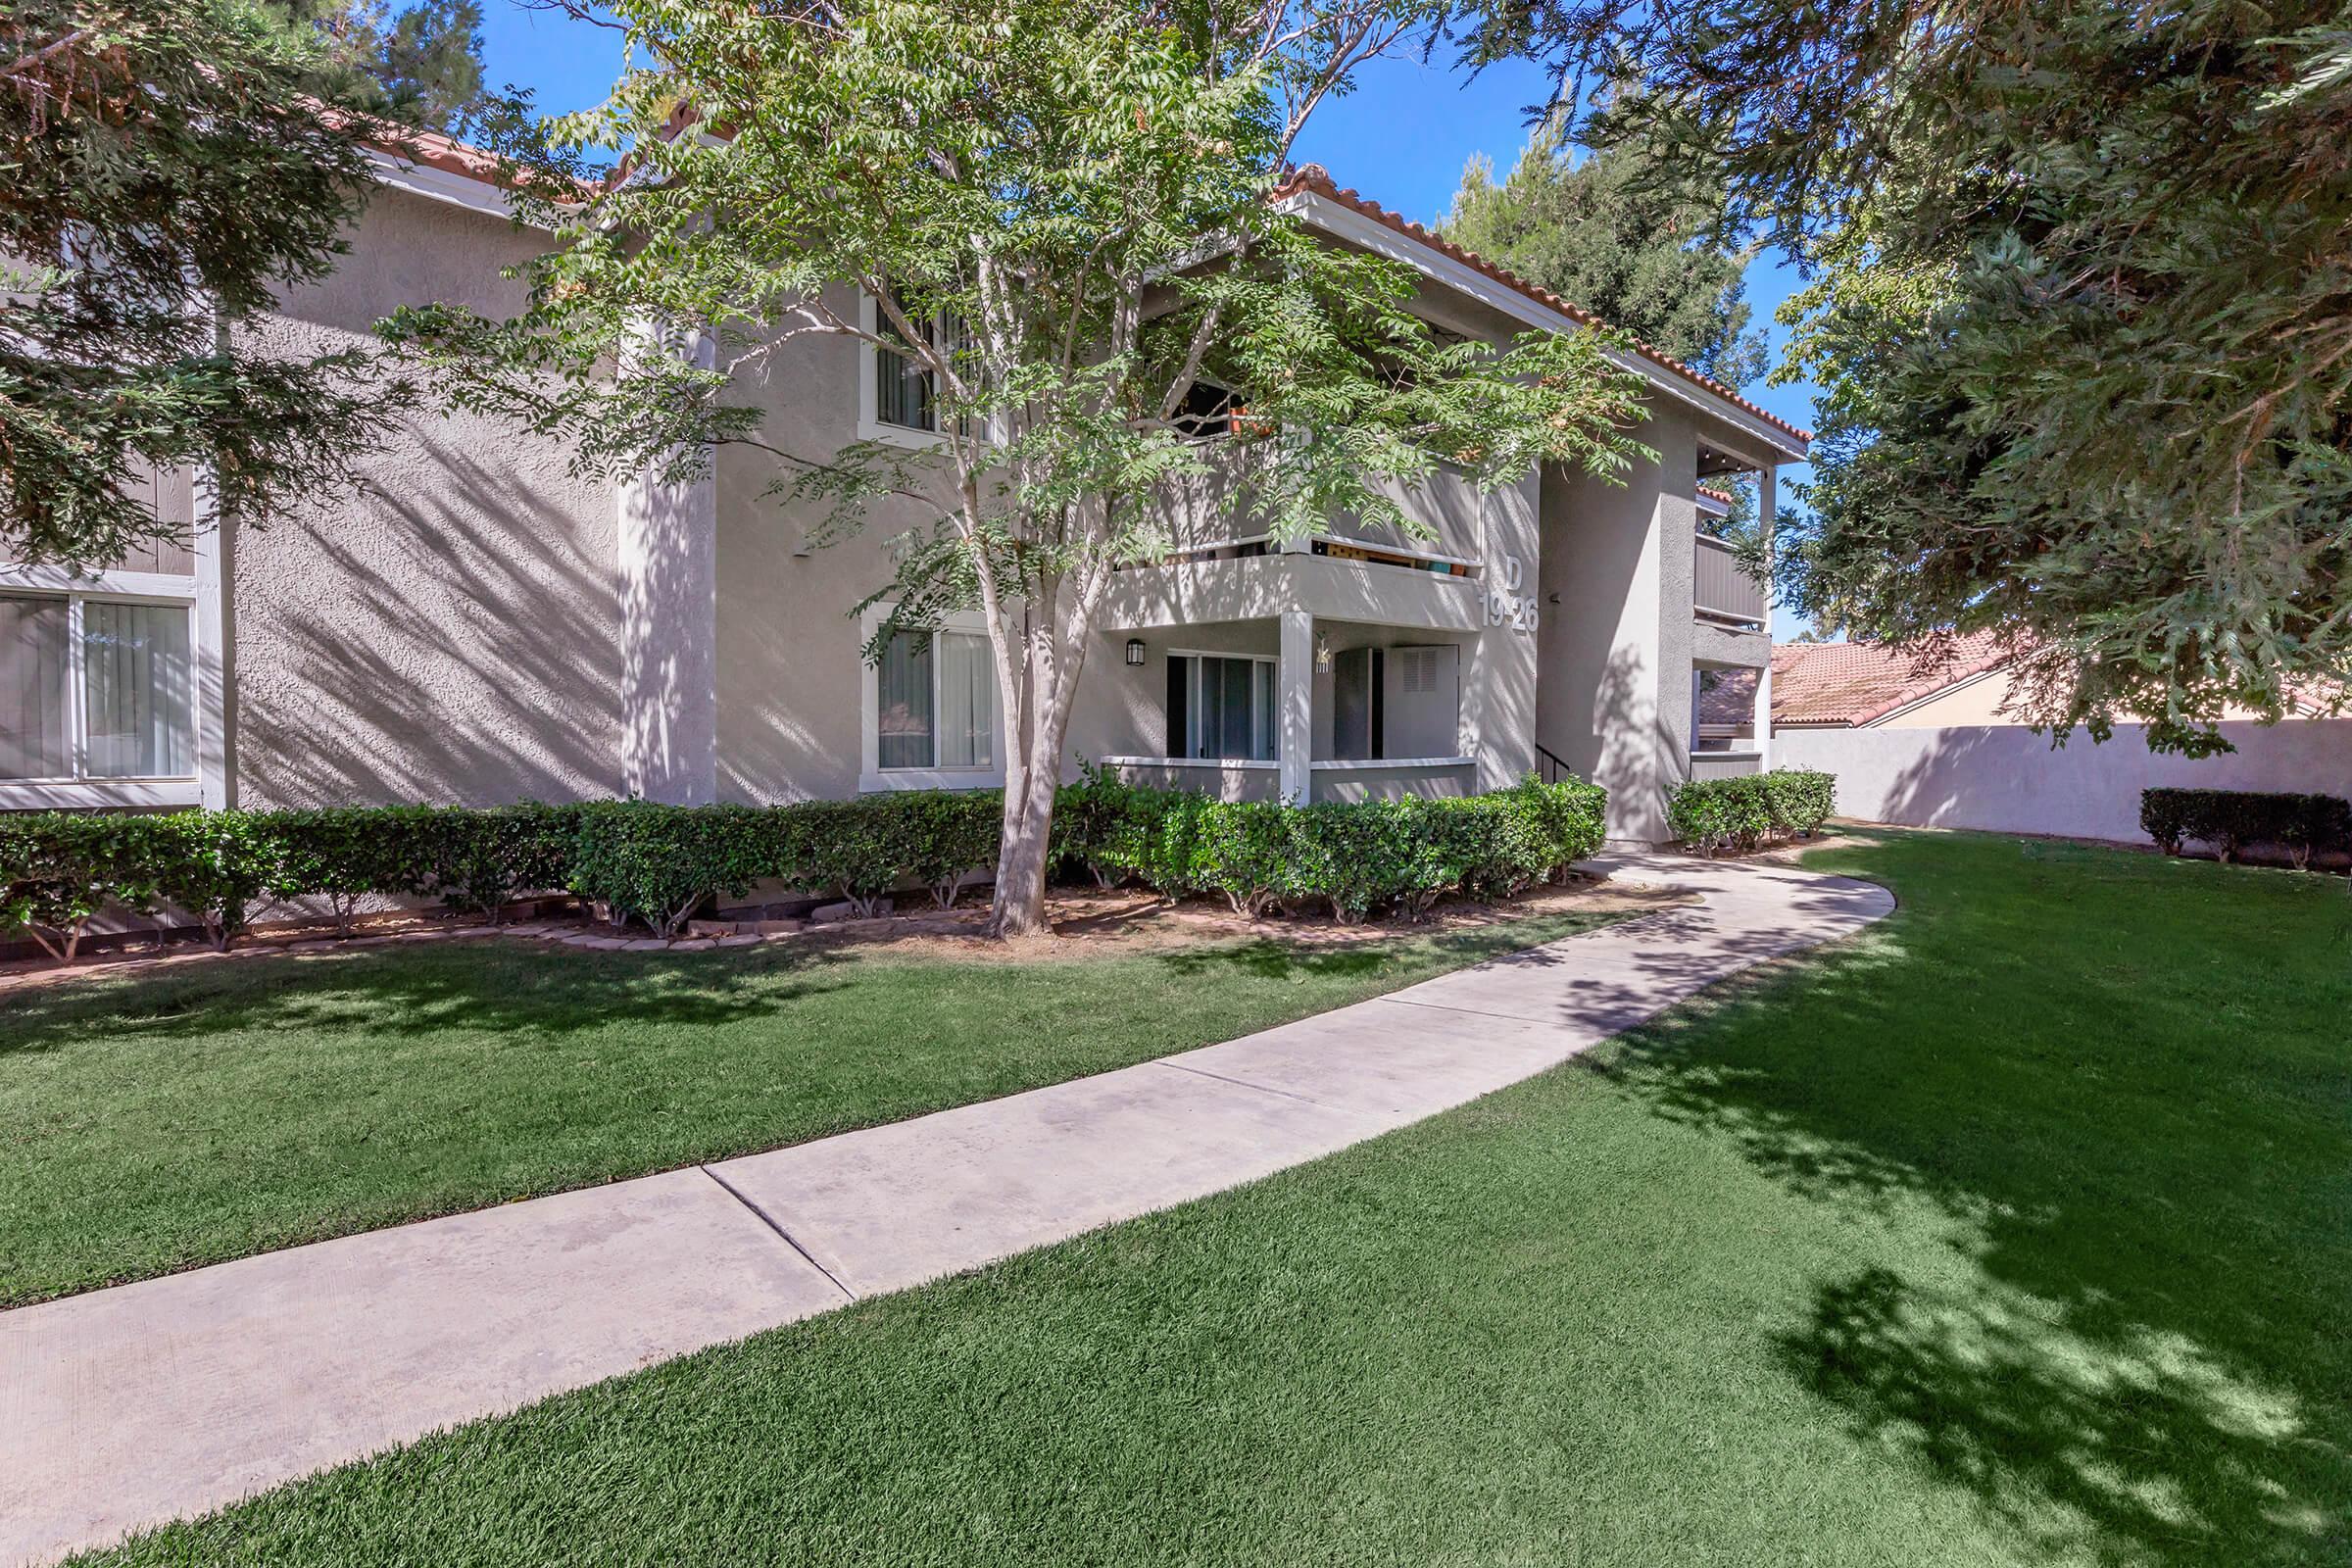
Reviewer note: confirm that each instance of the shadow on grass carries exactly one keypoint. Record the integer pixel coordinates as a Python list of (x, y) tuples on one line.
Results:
[(2129, 1446), (1367, 949), (2110, 1104), (398, 991), (1270, 958), (549, 990)]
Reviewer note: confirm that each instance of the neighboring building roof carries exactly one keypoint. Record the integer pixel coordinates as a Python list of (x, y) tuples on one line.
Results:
[(1850, 684), (1722, 498), (1728, 697), (2319, 698), (1315, 178), (434, 150)]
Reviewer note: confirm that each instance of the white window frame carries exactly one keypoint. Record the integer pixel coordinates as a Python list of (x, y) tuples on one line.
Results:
[(869, 388), (875, 779), (1191, 708), (121, 588)]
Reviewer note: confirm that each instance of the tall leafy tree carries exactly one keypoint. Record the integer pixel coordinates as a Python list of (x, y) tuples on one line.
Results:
[(2081, 305), (1625, 233), (168, 166), (1059, 209)]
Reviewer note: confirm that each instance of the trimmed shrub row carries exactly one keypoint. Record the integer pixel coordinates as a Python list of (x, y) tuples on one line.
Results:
[(1746, 812), (2231, 820), (659, 863), (1353, 858), (57, 870)]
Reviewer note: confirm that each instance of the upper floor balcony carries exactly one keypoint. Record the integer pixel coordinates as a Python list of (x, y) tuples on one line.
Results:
[(1720, 591), (1728, 610), (1217, 566)]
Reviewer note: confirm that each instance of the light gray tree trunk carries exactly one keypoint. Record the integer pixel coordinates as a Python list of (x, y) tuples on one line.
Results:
[(1019, 905)]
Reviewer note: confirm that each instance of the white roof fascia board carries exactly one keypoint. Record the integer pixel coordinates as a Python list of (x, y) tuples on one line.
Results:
[(439, 184), (1353, 226)]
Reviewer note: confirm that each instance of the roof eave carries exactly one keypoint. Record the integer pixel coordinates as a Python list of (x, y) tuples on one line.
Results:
[(1346, 217)]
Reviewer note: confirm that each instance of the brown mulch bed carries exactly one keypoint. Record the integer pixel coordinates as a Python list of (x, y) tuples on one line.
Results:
[(1085, 922)]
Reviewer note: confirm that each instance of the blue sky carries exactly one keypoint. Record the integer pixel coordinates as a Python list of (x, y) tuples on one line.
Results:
[(1401, 139)]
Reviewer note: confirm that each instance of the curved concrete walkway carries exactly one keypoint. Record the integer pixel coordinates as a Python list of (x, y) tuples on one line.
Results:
[(130, 1406)]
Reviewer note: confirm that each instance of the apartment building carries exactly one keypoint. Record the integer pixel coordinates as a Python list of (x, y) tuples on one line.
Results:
[(474, 623)]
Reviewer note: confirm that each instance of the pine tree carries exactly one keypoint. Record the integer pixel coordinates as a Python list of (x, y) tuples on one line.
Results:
[(421, 65), (171, 166), (2079, 305), (1608, 233)]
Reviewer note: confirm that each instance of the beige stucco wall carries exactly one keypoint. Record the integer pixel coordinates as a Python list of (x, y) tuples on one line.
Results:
[(2006, 778), (1613, 691), (451, 631), (1981, 702), (446, 631), (790, 676), (1976, 702)]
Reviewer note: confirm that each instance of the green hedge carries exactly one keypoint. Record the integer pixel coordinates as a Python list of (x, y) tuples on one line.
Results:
[(659, 863), (1751, 811), (58, 869), (2231, 820), (1353, 858)]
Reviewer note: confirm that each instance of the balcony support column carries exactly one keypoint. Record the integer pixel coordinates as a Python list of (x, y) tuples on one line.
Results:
[(1295, 697)]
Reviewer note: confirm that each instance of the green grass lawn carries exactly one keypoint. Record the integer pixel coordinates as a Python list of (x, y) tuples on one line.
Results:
[(211, 1110), (2017, 1230)]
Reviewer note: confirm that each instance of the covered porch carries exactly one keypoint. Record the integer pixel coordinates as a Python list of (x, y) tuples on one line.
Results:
[(1731, 719), (1289, 707)]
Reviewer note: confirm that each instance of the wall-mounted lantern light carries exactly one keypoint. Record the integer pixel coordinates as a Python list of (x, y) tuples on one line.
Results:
[(1134, 650)]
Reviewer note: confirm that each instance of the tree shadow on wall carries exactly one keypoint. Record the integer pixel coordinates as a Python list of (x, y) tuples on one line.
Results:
[(445, 639)]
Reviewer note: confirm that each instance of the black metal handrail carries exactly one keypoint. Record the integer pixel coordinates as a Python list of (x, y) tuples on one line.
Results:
[(1549, 766)]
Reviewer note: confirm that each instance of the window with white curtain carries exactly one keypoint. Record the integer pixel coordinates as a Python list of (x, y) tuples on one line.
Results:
[(95, 689), (138, 715), (936, 705), (36, 639)]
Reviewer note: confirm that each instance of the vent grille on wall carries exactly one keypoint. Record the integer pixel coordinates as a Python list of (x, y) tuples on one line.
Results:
[(1418, 674)]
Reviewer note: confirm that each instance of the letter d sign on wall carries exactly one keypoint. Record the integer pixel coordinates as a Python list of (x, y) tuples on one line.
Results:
[(1507, 606)]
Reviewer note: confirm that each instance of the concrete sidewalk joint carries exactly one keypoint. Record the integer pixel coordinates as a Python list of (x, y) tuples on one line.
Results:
[(127, 1407), (783, 1234)]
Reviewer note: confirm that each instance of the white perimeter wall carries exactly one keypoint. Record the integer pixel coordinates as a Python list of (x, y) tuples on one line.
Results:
[(2009, 779)]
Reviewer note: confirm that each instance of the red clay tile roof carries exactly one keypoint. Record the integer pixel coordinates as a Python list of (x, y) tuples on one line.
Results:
[(1315, 178), (2319, 698), (1722, 498), (1848, 684), (430, 149), (1730, 698), (446, 153)]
